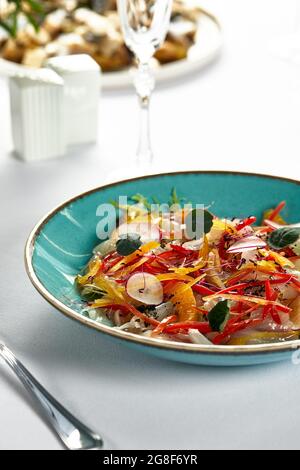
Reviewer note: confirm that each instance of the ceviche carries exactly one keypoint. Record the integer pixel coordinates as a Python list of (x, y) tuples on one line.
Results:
[(236, 282)]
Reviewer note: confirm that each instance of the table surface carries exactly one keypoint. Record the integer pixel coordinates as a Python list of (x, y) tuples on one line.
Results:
[(242, 113)]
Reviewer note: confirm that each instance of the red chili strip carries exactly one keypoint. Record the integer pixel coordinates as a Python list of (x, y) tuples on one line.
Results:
[(235, 328), (203, 327), (245, 223), (276, 211), (163, 324), (200, 289), (183, 251)]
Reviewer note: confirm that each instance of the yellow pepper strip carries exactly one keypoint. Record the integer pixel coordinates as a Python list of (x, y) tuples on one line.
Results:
[(278, 219), (205, 249), (102, 303), (136, 254), (262, 266), (279, 259), (185, 287), (124, 272), (174, 276), (93, 268), (114, 290), (217, 260), (184, 271), (264, 337), (224, 225), (247, 298)]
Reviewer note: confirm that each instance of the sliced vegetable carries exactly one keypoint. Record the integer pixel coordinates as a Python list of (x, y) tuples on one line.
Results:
[(247, 244), (91, 292), (145, 288)]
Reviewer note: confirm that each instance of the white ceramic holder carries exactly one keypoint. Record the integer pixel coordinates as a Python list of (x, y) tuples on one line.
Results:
[(82, 80), (36, 98)]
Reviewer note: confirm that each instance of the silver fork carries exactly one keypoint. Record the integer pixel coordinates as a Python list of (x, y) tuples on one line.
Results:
[(74, 434)]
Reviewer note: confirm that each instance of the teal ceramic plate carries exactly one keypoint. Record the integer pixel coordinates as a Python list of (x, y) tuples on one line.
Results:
[(62, 243)]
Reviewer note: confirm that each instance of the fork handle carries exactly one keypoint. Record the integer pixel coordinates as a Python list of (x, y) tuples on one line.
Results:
[(74, 434)]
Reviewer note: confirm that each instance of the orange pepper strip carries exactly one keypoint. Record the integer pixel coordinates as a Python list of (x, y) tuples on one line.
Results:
[(174, 276), (136, 254), (124, 272)]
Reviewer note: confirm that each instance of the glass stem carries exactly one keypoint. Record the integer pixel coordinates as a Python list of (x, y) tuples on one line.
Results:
[(144, 84)]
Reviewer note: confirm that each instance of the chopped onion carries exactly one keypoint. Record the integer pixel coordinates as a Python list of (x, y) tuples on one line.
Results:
[(197, 338), (193, 245), (164, 310), (246, 244), (145, 288), (275, 226)]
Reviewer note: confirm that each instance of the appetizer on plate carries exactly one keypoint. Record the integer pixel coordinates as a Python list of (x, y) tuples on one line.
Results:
[(185, 275), (60, 27)]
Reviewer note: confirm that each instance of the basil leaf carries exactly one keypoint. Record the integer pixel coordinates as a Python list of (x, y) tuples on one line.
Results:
[(198, 222), (219, 315), (283, 237), (91, 292), (128, 243)]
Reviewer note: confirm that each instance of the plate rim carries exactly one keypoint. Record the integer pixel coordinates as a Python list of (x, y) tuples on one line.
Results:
[(214, 350)]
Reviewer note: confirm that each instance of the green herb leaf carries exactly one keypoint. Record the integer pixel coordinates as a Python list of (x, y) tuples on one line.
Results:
[(283, 237), (128, 244), (140, 199), (174, 198), (218, 316), (198, 222), (33, 10), (91, 292), (155, 200)]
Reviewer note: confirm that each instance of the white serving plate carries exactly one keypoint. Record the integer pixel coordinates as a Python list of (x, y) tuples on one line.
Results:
[(206, 49)]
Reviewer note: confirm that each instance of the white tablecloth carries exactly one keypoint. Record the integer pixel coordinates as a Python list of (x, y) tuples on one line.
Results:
[(242, 113)]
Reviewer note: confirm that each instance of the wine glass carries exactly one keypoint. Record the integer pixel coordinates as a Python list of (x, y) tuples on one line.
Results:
[(144, 25)]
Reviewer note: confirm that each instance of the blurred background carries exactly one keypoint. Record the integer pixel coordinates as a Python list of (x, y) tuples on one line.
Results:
[(241, 112)]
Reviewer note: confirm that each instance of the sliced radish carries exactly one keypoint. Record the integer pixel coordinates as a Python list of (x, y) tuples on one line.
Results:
[(147, 232), (145, 288), (246, 244)]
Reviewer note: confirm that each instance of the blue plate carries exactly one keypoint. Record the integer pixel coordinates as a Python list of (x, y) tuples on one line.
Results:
[(62, 243)]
